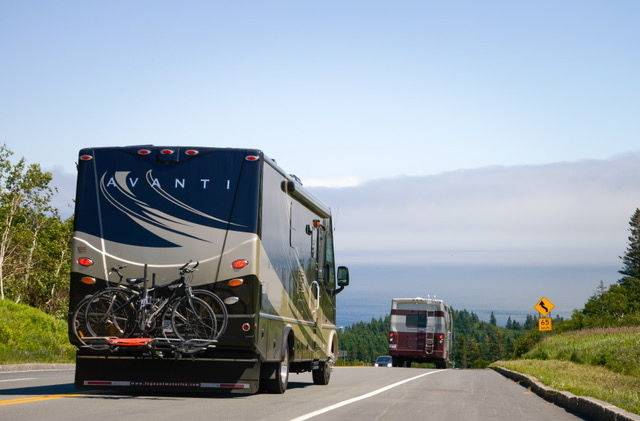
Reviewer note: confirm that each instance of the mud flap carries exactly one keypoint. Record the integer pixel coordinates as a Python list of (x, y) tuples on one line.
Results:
[(146, 374)]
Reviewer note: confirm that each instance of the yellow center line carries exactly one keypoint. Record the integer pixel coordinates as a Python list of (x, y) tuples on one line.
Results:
[(31, 399)]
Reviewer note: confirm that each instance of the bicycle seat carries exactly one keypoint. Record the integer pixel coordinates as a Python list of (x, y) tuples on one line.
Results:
[(134, 281)]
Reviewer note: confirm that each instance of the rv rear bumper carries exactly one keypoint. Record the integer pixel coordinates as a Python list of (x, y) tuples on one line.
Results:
[(417, 354), (235, 375)]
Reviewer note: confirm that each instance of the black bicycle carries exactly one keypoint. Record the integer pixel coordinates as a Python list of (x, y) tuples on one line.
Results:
[(78, 320), (173, 311)]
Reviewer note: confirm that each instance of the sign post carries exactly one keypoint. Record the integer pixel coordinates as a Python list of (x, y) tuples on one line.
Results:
[(544, 306)]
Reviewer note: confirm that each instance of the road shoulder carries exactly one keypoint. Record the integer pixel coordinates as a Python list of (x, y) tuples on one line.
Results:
[(9, 368), (590, 408)]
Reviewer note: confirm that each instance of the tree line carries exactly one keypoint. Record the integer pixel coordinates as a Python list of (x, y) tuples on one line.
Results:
[(34, 238)]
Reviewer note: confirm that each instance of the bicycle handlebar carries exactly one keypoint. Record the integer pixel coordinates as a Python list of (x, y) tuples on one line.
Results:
[(117, 270), (186, 269)]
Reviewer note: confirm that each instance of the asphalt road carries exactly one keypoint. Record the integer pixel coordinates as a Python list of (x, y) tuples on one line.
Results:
[(357, 393)]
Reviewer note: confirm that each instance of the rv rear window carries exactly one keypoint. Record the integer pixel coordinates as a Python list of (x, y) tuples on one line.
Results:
[(416, 320)]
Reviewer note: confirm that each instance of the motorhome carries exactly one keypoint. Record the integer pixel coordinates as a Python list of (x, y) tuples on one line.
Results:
[(421, 331), (263, 246)]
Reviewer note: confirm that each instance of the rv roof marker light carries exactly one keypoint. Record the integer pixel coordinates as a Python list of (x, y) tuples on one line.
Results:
[(88, 280), (191, 152), (143, 152), (239, 264), (252, 157), (86, 157), (85, 261), (166, 151), (235, 282)]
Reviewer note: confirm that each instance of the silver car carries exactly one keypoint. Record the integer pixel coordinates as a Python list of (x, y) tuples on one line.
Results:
[(383, 361)]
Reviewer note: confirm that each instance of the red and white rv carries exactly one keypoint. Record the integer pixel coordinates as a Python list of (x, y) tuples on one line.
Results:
[(421, 331)]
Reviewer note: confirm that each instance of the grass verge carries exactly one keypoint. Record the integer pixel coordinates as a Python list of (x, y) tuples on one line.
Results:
[(29, 335), (584, 380), (617, 349)]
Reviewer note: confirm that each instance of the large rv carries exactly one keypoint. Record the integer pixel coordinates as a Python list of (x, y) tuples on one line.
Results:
[(421, 331), (262, 245)]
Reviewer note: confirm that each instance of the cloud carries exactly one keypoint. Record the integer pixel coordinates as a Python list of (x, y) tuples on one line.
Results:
[(561, 213), (332, 182)]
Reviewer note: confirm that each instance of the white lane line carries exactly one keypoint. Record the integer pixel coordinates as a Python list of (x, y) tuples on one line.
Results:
[(18, 380), (361, 397)]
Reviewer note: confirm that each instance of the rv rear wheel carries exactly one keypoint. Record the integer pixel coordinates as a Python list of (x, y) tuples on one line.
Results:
[(278, 384), (322, 374)]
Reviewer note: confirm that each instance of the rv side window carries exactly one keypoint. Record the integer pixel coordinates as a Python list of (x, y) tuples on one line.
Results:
[(315, 238), (328, 256), (416, 320), (291, 228)]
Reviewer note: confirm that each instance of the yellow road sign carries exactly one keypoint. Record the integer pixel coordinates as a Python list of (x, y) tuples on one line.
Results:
[(545, 324), (544, 306)]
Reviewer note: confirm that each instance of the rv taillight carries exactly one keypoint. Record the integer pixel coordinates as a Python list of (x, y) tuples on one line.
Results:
[(85, 261), (393, 336), (143, 152), (252, 157), (86, 157), (88, 280), (239, 264), (235, 282), (191, 152), (167, 152), (440, 337), (245, 327)]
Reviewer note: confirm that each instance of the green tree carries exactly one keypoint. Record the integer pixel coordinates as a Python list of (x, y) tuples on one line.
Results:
[(631, 258), (530, 322), (364, 341), (34, 241), (618, 304)]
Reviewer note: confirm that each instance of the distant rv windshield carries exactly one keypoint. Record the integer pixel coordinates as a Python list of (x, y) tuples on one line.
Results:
[(132, 203)]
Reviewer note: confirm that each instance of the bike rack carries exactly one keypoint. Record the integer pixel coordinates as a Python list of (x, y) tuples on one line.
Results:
[(155, 346)]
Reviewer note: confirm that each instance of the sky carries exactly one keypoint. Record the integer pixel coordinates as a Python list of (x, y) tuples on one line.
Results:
[(337, 92), (481, 143)]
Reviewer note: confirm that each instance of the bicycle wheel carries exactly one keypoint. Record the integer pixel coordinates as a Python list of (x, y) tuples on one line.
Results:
[(78, 321), (111, 313), (193, 318), (218, 307)]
